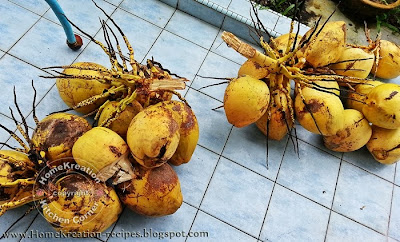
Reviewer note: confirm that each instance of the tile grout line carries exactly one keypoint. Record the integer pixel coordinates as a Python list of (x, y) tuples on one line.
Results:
[(348, 162), (77, 31), (273, 188), (212, 175), (333, 199), (79, 54), (118, 7), (114, 4), (162, 30), (304, 196), (215, 217), (41, 16), (391, 204), (16, 42), (124, 207), (230, 131), (30, 224), (48, 8), (369, 172), (116, 222), (46, 95), (220, 155)]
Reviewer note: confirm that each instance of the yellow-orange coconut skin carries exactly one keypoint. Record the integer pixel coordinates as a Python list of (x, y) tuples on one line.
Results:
[(354, 135), (349, 67), (382, 106), (384, 145), (100, 149), (153, 136), (154, 192), (56, 135), (327, 47), (14, 164), (189, 131), (121, 124), (277, 126), (281, 42), (252, 69), (357, 99), (83, 204), (74, 90), (246, 99), (326, 108), (389, 62)]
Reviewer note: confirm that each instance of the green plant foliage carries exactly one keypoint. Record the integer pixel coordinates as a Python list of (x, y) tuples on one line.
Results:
[(391, 20)]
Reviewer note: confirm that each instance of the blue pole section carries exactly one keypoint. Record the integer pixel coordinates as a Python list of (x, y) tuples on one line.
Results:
[(73, 41)]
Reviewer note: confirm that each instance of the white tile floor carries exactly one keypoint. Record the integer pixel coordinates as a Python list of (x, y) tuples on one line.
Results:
[(228, 191)]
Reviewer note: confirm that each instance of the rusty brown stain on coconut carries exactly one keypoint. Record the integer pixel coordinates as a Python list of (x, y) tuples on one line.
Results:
[(189, 120), (61, 131), (3, 164), (256, 65), (70, 182), (331, 145), (312, 106), (172, 125), (380, 154), (176, 108), (350, 66), (160, 178), (115, 150), (394, 93)]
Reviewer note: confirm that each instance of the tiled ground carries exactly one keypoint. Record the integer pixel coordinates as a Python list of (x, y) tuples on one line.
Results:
[(228, 190)]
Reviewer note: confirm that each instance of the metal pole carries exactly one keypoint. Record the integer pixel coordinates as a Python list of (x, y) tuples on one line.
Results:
[(73, 41)]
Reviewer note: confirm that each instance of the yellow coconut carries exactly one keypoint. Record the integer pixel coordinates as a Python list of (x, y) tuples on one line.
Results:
[(74, 90), (383, 106), (79, 204), (280, 117), (104, 153), (252, 69), (189, 131), (354, 135), (354, 62), (356, 100), (56, 135), (153, 136), (327, 47), (246, 100), (154, 192), (281, 42), (16, 176), (384, 145), (389, 60), (120, 125), (323, 112)]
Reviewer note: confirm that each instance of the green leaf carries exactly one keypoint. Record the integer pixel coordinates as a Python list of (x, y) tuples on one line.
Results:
[(288, 9), (378, 24), (391, 27)]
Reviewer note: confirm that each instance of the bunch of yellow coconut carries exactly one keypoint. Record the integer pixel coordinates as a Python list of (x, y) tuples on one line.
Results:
[(67, 167), (324, 70), (78, 175)]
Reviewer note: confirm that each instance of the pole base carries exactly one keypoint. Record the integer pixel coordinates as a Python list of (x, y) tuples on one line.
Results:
[(77, 45)]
